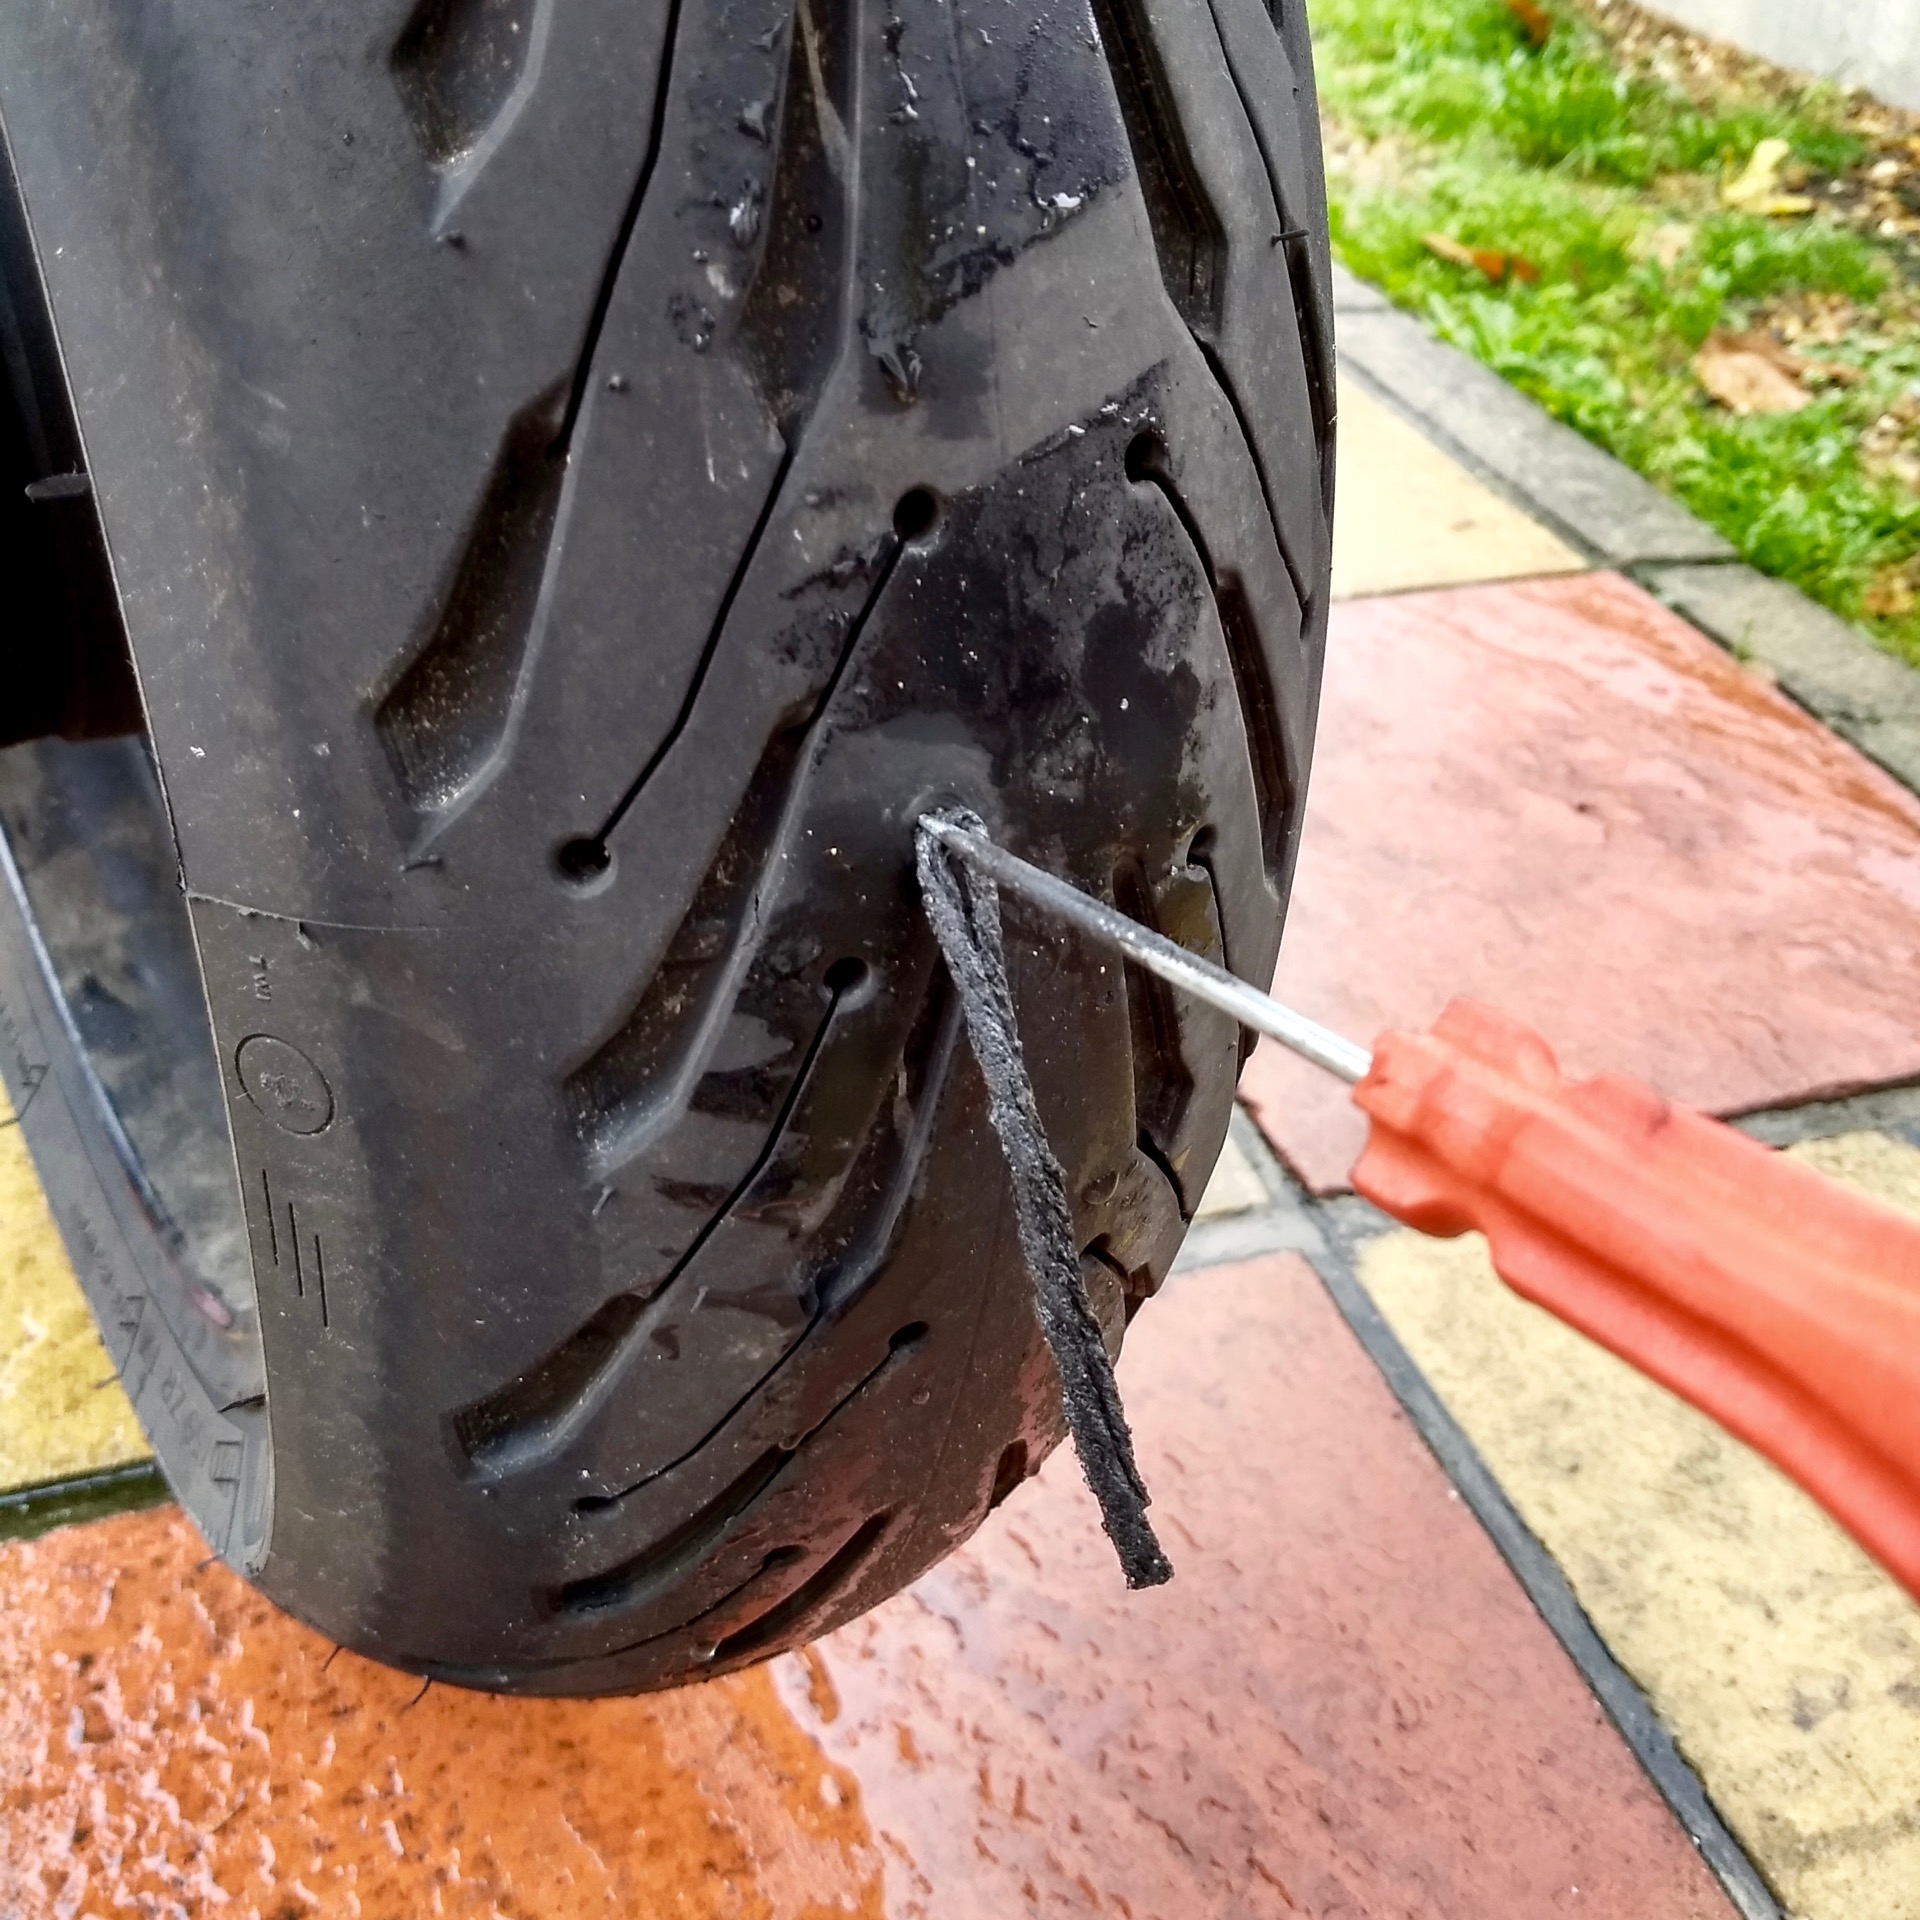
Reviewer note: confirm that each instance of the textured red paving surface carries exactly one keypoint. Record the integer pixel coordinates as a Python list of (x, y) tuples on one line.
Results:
[(1343, 1706), (1555, 795)]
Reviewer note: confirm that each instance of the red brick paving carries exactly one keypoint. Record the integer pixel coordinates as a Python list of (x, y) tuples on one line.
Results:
[(1344, 1705), (1555, 795), (170, 1744)]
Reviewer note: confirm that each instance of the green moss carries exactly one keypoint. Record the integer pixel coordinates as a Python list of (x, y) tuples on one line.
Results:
[(1592, 176)]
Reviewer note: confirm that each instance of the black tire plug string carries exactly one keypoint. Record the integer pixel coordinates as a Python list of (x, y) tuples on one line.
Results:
[(963, 905)]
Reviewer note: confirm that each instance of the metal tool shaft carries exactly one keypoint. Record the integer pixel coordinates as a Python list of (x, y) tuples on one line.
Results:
[(1158, 955)]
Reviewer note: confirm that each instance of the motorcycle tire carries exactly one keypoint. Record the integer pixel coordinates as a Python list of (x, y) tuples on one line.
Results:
[(520, 505)]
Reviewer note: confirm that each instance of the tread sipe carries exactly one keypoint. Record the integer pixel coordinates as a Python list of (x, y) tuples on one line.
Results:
[(581, 479)]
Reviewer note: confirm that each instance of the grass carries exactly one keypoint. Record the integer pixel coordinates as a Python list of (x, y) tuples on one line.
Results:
[(1542, 136)]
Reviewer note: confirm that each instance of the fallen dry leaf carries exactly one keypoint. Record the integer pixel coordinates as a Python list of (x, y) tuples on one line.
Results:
[(1888, 447), (1446, 247), (1895, 591), (1827, 319), (1746, 381), (1491, 261), (1756, 188), (1535, 21), (1796, 366)]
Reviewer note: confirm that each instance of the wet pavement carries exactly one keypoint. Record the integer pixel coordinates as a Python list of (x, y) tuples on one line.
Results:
[(1344, 1704), (1784, 1662), (1557, 796)]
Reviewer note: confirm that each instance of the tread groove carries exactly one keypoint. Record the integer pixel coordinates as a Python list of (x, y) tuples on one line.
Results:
[(1273, 782), (1188, 236), (1296, 574), (523, 1422), (616, 258), (698, 680), (655, 1568), (456, 64), (847, 1277), (1314, 341), (789, 321), (1163, 1085), (1181, 216), (759, 1636), (447, 714), (652, 1571), (786, 278), (618, 1096), (1321, 388), (548, 1401), (905, 1342)]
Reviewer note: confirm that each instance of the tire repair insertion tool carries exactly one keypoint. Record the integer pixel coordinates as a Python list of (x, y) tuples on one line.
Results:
[(1781, 1304)]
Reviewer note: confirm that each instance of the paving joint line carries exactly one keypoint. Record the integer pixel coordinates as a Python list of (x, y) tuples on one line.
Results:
[(1327, 1232), (1893, 1108)]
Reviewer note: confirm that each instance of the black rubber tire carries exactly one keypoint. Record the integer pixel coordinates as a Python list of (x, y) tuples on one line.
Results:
[(581, 479)]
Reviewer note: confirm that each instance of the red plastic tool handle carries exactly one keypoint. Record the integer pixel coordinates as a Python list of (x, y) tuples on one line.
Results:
[(1786, 1307)]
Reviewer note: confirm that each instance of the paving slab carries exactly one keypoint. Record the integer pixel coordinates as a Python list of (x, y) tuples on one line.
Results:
[(1233, 1187), (61, 1408), (1557, 796), (1343, 1705), (1784, 1662), (1410, 516), (1585, 495)]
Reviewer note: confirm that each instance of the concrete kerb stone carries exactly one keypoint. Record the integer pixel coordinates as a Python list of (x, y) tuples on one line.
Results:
[(1891, 1110), (28, 1511), (1351, 294)]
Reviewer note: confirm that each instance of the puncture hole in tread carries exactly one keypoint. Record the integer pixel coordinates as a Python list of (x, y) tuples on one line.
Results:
[(916, 513), (584, 862), (1146, 455), (845, 976)]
